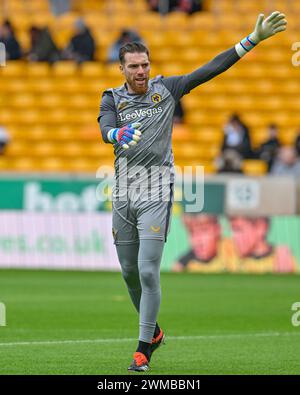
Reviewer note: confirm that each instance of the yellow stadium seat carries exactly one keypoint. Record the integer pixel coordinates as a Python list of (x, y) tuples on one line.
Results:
[(209, 136), (181, 133), (259, 136), (122, 21), (13, 69), (152, 21), (83, 165), (67, 85), (31, 115), (23, 38), (64, 69), (171, 69), (36, 132), (5, 163), (50, 101), (24, 164), (176, 21), (92, 70), (287, 136), (112, 71), (165, 55), (24, 100), (209, 168), (51, 164), (254, 167), (70, 149), (44, 149), (62, 132), (50, 111), (205, 20), (61, 37), (66, 21), (192, 101), (39, 85), (60, 115)]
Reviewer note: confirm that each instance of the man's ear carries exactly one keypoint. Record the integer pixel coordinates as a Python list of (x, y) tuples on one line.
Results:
[(121, 68)]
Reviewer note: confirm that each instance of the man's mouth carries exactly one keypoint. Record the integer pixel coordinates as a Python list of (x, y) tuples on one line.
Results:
[(140, 80)]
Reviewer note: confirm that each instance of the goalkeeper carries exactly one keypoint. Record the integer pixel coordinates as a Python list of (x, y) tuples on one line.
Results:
[(137, 119)]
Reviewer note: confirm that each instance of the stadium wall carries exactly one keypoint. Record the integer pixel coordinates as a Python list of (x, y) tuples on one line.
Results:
[(60, 223)]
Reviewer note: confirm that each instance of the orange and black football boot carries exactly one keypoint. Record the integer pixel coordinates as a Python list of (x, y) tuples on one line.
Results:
[(156, 342), (140, 363)]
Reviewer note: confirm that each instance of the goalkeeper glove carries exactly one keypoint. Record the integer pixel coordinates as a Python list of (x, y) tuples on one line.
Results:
[(273, 24), (126, 136)]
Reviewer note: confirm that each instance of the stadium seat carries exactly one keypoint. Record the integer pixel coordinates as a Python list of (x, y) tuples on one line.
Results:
[(13, 69), (92, 70), (40, 104), (24, 164), (254, 167), (64, 69), (34, 70)]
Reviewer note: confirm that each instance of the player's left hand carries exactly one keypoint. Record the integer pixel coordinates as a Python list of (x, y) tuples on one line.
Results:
[(264, 29)]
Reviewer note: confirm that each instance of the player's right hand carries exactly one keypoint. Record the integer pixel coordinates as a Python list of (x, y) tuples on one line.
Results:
[(126, 136)]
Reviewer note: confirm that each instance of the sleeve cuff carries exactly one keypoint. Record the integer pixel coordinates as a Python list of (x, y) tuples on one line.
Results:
[(111, 136), (244, 46)]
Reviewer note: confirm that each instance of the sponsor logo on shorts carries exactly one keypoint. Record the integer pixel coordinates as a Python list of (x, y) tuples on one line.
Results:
[(155, 229)]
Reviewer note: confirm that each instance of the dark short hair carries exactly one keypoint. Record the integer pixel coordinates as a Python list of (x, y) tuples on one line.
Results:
[(132, 47)]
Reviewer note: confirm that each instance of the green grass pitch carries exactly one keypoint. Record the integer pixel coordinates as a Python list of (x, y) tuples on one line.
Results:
[(83, 323)]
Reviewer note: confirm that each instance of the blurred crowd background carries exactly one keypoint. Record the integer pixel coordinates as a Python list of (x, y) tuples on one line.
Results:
[(62, 54)]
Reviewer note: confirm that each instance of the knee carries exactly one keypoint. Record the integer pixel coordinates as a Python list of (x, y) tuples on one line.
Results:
[(130, 275), (149, 279)]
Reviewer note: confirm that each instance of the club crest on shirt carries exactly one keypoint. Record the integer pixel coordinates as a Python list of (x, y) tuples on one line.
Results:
[(156, 98), (122, 105)]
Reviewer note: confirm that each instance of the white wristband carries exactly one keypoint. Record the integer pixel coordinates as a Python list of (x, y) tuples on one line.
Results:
[(245, 46)]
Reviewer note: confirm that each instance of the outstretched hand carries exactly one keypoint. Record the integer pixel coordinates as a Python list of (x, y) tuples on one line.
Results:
[(264, 29)]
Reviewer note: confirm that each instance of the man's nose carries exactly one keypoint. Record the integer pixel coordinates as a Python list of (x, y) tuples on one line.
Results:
[(140, 70)]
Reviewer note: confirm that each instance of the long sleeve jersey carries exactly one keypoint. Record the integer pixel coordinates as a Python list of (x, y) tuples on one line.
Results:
[(154, 110)]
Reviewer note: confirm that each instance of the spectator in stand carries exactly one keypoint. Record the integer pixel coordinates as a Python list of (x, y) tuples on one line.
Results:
[(162, 6), (236, 137), (189, 6), (59, 7), (8, 38), (268, 150), (297, 143), (4, 139), (287, 163), (126, 37), (81, 47), (166, 6), (43, 48), (230, 162)]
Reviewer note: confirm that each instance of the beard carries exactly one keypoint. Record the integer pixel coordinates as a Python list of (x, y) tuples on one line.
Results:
[(139, 87)]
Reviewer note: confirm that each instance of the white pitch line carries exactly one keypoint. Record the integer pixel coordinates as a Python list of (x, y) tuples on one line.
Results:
[(124, 340)]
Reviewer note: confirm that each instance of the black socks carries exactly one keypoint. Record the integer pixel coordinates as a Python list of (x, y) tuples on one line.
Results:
[(157, 330), (144, 348)]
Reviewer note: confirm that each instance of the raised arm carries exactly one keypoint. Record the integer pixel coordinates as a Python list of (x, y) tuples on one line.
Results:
[(264, 29)]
